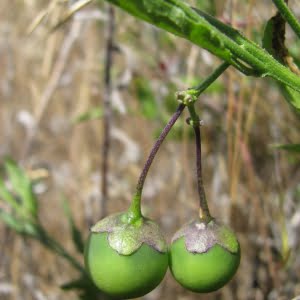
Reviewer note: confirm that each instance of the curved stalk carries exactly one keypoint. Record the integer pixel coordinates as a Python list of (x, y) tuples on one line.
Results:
[(135, 207), (204, 213)]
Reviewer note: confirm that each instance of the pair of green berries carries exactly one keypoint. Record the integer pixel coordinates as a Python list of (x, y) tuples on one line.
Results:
[(128, 257)]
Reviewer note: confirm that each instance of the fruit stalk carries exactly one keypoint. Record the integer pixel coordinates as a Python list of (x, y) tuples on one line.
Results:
[(204, 213), (135, 207)]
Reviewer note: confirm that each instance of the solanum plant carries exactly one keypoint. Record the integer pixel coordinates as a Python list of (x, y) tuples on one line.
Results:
[(204, 255), (126, 255)]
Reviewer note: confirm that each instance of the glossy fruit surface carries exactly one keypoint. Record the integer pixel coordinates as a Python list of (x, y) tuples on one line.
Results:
[(202, 272), (124, 276)]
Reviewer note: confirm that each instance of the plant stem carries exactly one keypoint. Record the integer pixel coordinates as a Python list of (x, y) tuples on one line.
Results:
[(211, 78), (247, 52), (135, 207), (107, 109), (204, 213), (288, 15)]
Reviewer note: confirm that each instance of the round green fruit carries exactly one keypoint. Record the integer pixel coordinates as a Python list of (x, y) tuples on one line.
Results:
[(124, 276), (126, 258), (204, 257)]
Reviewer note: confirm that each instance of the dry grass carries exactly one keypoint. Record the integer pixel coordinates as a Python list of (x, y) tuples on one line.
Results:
[(47, 79)]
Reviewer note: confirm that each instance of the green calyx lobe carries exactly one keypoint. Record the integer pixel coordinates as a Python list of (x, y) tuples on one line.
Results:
[(201, 235), (126, 234)]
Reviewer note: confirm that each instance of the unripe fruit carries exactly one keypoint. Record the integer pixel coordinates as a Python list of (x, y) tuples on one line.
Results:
[(204, 256), (126, 260)]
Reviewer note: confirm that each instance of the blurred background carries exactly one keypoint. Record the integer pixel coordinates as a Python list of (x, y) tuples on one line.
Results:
[(55, 107)]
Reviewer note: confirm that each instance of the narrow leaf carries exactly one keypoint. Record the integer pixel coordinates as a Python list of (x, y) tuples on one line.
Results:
[(268, 36), (11, 221), (8, 197), (22, 185)]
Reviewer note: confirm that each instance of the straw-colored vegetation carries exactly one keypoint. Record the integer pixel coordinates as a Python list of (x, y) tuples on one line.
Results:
[(52, 58)]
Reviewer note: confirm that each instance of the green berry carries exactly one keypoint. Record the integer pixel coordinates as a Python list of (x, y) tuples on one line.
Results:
[(204, 257), (123, 263)]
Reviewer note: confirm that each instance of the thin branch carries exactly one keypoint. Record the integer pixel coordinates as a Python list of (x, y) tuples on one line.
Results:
[(211, 78), (107, 109)]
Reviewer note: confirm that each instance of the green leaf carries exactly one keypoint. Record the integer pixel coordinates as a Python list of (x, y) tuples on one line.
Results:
[(9, 198), (211, 34), (22, 185), (11, 221), (288, 147), (76, 234), (268, 37), (93, 114)]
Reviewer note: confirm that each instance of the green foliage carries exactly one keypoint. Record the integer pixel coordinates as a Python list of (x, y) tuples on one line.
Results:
[(22, 187), (209, 33), (11, 221), (21, 216), (267, 42)]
